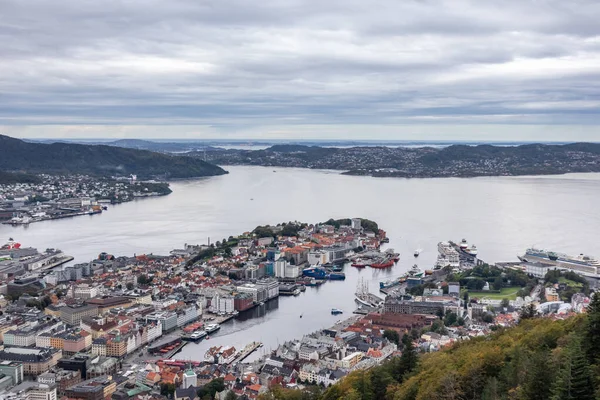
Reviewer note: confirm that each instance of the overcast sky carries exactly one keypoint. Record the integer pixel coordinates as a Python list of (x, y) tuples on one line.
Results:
[(356, 69)]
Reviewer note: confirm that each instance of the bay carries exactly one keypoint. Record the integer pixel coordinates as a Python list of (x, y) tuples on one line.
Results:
[(501, 215)]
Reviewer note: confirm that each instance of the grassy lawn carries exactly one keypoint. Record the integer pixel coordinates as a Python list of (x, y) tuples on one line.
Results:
[(569, 282), (509, 293)]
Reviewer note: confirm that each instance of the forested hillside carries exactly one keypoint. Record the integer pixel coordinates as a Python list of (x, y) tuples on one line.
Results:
[(540, 359), (66, 158)]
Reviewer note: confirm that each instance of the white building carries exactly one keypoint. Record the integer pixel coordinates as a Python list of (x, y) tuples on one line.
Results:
[(538, 270), (42, 341), (154, 332), (292, 271), (222, 304), (308, 353), (187, 315), (85, 291), (41, 392), (271, 286), (280, 267), (355, 223), (189, 379), (160, 304)]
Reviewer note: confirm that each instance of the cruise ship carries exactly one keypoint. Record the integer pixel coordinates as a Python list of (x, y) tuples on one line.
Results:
[(448, 256), (583, 264)]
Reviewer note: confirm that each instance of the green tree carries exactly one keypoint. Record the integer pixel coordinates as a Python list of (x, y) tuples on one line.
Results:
[(574, 378), (129, 286), (505, 303), (231, 396), (450, 318), (409, 358), (538, 377), (592, 333), (363, 387), (392, 336), (528, 312), (380, 379), (498, 283)]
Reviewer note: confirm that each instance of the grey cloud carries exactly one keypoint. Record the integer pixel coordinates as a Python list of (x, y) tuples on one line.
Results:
[(237, 63)]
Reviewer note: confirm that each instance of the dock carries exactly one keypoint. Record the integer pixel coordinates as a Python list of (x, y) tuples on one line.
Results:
[(249, 349)]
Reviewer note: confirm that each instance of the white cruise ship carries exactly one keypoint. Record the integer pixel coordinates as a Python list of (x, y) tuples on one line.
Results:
[(448, 256)]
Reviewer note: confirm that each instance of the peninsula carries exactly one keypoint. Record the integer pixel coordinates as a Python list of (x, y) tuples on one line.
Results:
[(98, 160), (422, 162)]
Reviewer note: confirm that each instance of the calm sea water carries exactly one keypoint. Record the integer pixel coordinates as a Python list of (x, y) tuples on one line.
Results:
[(502, 216)]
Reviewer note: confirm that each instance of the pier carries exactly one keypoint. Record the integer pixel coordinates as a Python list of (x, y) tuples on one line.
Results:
[(249, 349)]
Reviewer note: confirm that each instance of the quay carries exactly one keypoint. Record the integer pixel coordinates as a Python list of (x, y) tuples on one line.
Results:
[(243, 354)]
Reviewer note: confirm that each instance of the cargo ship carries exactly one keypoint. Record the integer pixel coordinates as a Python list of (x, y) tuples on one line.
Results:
[(389, 284), (314, 272), (383, 263), (361, 263), (337, 276)]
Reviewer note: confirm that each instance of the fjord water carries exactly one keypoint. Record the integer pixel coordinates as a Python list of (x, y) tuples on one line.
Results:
[(501, 215)]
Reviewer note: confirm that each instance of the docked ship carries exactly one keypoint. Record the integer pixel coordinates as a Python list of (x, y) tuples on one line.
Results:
[(11, 244), (197, 335), (315, 272), (337, 276), (385, 262), (210, 328), (361, 263), (389, 284), (466, 249), (392, 255), (415, 271), (583, 264), (448, 256), (364, 299)]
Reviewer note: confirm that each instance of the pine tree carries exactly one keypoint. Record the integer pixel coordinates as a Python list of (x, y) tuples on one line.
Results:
[(538, 377), (408, 359), (380, 379), (581, 378), (574, 379), (593, 329), (561, 388)]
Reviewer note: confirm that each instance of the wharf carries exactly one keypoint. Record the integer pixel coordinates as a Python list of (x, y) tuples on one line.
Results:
[(59, 261), (466, 260), (243, 354)]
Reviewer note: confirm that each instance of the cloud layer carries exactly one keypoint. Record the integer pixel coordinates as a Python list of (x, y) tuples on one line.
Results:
[(232, 66)]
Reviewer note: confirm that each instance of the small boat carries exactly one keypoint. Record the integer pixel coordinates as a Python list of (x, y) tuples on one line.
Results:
[(210, 328), (197, 335), (300, 315), (337, 276), (336, 311), (417, 252)]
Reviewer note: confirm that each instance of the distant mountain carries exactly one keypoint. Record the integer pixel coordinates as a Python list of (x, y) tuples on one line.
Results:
[(423, 162), (18, 155), (163, 147)]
